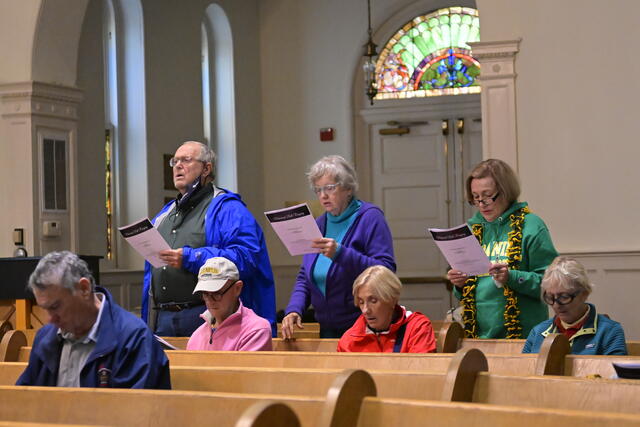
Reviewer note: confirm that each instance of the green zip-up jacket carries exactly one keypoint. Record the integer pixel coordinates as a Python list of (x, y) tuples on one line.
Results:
[(537, 253)]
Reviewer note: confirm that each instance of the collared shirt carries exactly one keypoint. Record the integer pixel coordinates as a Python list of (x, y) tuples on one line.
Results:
[(76, 351)]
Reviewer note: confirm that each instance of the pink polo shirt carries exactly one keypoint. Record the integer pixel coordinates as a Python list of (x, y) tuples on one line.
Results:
[(242, 331)]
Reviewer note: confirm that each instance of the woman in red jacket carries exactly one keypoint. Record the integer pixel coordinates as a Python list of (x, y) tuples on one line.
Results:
[(385, 326)]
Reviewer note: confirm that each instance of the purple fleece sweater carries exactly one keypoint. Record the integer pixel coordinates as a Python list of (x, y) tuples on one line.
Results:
[(367, 242)]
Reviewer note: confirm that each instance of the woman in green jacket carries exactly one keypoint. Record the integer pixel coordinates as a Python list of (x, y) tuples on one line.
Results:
[(505, 303)]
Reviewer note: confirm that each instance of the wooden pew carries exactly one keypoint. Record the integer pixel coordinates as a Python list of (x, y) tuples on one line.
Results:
[(447, 336), (498, 346), (508, 364), (380, 412), (493, 346), (311, 330), (549, 361), (171, 407), (586, 366), (464, 381), (123, 407), (279, 344), (345, 404), (622, 396)]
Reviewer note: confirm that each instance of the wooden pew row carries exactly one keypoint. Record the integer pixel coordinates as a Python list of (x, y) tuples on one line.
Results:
[(487, 346), (463, 381), (325, 345), (341, 407), (551, 360)]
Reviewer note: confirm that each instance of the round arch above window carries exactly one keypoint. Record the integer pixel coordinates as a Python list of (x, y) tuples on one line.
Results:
[(429, 56)]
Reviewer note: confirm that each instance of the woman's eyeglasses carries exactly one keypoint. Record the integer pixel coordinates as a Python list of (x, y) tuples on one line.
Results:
[(560, 299), (326, 189), (486, 201)]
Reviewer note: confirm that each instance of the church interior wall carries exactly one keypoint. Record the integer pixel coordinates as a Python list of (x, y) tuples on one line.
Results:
[(296, 63)]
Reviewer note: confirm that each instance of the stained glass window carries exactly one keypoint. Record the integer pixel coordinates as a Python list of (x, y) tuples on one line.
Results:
[(429, 56)]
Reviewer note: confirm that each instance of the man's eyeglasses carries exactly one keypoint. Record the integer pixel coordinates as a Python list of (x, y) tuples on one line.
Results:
[(326, 189), (486, 201), (217, 296), (173, 162), (560, 299)]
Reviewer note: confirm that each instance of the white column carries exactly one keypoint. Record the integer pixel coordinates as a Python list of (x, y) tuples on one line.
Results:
[(497, 79), (29, 112)]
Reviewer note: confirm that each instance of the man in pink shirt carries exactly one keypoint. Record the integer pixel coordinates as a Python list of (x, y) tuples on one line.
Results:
[(228, 325)]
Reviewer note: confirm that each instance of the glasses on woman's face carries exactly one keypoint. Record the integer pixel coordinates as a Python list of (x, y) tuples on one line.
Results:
[(486, 201), (216, 296), (560, 299), (326, 189)]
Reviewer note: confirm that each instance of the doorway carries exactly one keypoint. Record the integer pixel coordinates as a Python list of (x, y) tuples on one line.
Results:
[(418, 158)]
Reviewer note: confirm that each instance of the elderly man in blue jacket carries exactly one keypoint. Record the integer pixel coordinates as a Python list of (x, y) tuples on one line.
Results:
[(204, 221), (90, 340)]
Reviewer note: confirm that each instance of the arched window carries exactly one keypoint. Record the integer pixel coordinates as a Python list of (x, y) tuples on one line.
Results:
[(429, 56), (125, 136), (219, 94)]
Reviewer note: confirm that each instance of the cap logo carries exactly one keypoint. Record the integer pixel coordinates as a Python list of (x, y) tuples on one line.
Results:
[(208, 272)]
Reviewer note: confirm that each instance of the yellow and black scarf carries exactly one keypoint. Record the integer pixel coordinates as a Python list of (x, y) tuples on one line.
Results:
[(514, 256)]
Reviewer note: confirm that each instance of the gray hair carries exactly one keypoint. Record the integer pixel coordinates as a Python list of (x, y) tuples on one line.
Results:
[(383, 282), (207, 155), (60, 269), (568, 274), (336, 167)]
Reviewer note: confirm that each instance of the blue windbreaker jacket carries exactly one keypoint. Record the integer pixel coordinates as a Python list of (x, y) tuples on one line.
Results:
[(231, 232), (126, 354)]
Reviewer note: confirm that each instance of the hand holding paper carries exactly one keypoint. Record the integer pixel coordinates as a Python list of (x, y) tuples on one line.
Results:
[(462, 251), (297, 229), (146, 240)]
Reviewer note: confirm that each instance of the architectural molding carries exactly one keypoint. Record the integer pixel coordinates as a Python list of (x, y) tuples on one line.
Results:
[(29, 112), (39, 99), (497, 79)]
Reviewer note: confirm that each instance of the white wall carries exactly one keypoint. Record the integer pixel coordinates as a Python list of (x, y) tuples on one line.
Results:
[(576, 95), (17, 31), (576, 101)]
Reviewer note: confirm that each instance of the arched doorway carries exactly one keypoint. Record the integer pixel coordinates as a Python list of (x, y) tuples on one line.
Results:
[(418, 141)]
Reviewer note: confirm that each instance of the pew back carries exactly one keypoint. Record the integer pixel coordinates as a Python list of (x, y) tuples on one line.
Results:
[(140, 407), (585, 366), (558, 392), (380, 412), (519, 364)]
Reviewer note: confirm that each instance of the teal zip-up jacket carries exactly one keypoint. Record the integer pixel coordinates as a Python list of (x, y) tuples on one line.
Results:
[(537, 253), (598, 336)]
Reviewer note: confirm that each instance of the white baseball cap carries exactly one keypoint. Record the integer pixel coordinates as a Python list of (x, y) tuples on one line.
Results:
[(215, 273)]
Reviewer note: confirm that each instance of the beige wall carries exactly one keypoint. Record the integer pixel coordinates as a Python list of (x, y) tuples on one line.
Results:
[(576, 94)]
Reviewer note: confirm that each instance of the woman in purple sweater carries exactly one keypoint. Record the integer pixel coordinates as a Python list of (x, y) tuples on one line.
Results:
[(356, 236)]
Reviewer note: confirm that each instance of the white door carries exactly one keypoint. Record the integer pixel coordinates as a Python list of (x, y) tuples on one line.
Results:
[(418, 179)]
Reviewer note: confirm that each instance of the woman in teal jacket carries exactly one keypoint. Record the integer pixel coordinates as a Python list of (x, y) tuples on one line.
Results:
[(506, 302), (566, 287)]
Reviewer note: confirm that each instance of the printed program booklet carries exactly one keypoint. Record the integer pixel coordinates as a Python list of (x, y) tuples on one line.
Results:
[(146, 240), (296, 227), (461, 249)]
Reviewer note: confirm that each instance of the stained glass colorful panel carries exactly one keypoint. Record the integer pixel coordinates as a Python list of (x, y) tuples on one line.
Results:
[(430, 56)]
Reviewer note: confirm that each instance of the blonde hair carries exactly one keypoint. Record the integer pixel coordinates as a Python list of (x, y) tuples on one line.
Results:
[(383, 282), (568, 274), (504, 177)]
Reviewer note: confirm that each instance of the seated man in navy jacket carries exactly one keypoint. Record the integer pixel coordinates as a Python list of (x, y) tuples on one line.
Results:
[(91, 341)]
